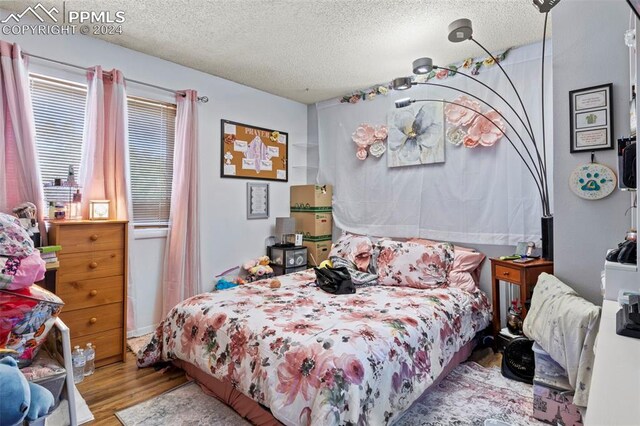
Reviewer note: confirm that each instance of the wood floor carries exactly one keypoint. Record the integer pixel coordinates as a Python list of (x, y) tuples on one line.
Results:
[(118, 386)]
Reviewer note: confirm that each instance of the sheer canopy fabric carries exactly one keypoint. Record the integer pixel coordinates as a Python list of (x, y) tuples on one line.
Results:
[(481, 195)]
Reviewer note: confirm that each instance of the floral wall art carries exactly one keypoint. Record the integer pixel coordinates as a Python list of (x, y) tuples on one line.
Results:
[(370, 140), (467, 128), (416, 135)]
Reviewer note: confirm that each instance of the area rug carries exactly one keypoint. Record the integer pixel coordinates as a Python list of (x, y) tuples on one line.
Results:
[(469, 395), (184, 405), (135, 344)]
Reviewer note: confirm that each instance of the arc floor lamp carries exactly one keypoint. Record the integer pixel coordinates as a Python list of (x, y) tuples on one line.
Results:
[(531, 150)]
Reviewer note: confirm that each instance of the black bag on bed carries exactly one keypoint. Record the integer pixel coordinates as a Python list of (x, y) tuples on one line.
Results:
[(334, 280)]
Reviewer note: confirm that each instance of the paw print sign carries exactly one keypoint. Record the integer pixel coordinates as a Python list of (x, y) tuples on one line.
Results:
[(592, 181)]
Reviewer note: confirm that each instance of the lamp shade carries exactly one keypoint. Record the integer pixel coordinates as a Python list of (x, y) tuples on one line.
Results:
[(401, 103), (285, 226), (422, 66), (401, 83), (460, 30)]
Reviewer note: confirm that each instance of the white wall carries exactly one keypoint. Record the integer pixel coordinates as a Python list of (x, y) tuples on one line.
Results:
[(588, 50), (227, 238)]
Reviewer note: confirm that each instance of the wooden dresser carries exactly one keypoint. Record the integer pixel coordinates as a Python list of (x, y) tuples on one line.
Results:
[(92, 282)]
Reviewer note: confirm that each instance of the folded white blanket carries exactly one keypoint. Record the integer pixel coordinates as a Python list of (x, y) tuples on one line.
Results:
[(565, 325)]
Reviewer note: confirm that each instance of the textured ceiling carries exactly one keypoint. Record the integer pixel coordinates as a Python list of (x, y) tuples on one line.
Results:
[(311, 50)]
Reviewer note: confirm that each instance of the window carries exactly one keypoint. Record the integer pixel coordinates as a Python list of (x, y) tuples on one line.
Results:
[(58, 109), (151, 139)]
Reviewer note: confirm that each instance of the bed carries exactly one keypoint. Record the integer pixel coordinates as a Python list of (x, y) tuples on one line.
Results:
[(300, 356)]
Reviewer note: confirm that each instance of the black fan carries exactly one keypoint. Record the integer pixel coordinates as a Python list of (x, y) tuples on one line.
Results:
[(518, 361)]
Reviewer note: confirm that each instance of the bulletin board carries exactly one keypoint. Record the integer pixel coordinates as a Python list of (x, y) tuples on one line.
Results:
[(250, 152)]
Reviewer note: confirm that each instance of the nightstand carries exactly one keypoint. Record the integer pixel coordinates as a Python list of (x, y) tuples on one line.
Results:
[(524, 275)]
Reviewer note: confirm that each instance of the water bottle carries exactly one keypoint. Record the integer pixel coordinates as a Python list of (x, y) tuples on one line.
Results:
[(90, 356), (78, 360)]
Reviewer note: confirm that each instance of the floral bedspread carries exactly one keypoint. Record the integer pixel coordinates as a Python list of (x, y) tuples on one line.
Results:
[(318, 359)]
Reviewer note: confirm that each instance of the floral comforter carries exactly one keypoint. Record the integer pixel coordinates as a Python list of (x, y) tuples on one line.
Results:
[(318, 359)]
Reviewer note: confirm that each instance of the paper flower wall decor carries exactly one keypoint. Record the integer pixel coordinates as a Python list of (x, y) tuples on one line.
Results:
[(470, 129), (469, 65), (370, 140)]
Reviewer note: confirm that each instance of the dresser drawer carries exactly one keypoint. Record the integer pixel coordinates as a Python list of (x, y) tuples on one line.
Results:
[(505, 273), (108, 344), (87, 293), (87, 238), (83, 266), (87, 321)]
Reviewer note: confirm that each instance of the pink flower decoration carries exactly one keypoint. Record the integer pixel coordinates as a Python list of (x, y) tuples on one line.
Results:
[(364, 135), (469, 142), (381, 132), (486, 131), (458, 115), (442, 74), (362, 153)]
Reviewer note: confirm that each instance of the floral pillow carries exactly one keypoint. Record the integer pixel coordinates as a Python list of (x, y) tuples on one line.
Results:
[(413, 265), (14, 240), (465, 271), (354, 248)]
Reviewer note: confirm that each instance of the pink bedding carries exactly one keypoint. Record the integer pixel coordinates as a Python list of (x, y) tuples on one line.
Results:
[(318, 359)]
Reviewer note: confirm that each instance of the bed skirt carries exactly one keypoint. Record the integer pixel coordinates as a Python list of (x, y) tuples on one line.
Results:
[(259, 415)]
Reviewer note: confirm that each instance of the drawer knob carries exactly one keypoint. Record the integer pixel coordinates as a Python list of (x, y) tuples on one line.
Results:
[(93, 265), (93, 292), (94, 237), (93, 320), (505, 273)]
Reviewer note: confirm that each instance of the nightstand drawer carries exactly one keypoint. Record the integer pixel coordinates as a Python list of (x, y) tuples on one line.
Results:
[(86, 238), (87, 293), (82, 266), (93, 320), (507, 274)]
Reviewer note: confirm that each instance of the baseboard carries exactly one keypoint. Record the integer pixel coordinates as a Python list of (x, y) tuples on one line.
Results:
[(141, 331)]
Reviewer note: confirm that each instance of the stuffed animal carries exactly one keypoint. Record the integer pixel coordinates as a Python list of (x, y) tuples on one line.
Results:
[(258, 268), (20, 399)]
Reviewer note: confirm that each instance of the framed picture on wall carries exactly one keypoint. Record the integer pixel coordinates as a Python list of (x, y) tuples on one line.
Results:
[(250, 152), (591, 115), (257, 200)]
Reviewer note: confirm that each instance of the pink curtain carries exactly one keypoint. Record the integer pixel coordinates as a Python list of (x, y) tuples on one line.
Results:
[(104, 170), (20, 178), (181, 277)]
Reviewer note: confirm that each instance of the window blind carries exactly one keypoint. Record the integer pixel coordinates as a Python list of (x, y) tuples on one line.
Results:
[(58, 110), (151, 141)]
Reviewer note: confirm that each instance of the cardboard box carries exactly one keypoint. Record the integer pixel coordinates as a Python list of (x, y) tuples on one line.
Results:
[(316, 226), (318, 251), (555, 406), (311, 198)]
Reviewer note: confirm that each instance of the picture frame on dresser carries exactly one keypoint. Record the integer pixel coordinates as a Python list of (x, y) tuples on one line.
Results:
[(591, 118), (92, 281)]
